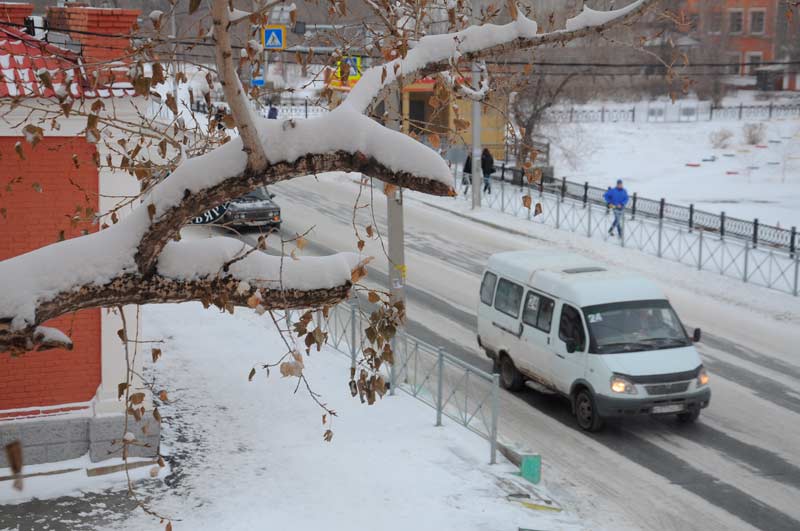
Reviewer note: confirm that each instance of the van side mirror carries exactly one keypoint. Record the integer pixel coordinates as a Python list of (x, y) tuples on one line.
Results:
[(271, 195), (696, 335), (571, 346)]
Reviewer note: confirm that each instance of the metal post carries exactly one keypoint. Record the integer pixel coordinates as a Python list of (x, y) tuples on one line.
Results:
[(741, 109), (722, 225), (691, 217), (755, 232), (796, 273), (633, 209), (633, 114), (477, 171), (305, 105), (660, 232), (503, 193), (174, 35), (493, 428), (746, 260), (353, 336), (603, 114), (585, 192), (563, 187), (700, 251), (392, 371), (589, 222), (770, 110), (793, 242), (439, 386), (711, 112), (394, 209), (558, 214)]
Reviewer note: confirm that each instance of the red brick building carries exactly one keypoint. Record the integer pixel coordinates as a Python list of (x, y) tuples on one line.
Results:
[(62, 404), (745, 30)]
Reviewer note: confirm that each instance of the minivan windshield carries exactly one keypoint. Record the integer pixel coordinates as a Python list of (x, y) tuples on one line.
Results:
[(633, 327)]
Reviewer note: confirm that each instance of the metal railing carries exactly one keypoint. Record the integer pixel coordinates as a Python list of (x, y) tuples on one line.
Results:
[(680, 111), (759, 254), (452, 387)]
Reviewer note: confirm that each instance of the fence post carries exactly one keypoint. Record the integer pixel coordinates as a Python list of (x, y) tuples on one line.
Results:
[(602, 114), (585, 193), (793, 242), (493, 429), (503, 193), (770, 109), (392, 372), (691, 216), (700, 251), (305, 104), (746, 260), (353, 336), (722, 225), (660, 225), (633, 208), (755, 232), (796, 273), (741, 109), (558, 214), (589, 222), (633, 114), (439, 385), (571, 111), (563, 187)]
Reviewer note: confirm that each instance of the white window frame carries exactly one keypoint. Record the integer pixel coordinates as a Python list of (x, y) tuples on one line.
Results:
[(737, 64), (750, 20), (730, 12), (750, 69)]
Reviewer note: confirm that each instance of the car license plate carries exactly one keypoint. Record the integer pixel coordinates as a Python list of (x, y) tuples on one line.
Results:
[(671, 408)]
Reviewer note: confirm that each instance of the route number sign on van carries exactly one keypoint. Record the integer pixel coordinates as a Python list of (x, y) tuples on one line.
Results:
[(274, 37)]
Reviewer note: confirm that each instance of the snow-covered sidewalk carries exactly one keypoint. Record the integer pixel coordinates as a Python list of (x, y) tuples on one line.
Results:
[(250, 455)]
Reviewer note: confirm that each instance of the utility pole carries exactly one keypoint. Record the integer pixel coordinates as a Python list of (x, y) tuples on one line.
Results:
[(394, 208), (477, 171)]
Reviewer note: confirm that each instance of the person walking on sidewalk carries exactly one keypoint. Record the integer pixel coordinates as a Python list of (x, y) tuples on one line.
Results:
[(616, 198), (466, 174), (487, 166)]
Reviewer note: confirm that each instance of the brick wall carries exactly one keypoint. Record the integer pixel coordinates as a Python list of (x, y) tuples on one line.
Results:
[(37, 210), (97, 48)]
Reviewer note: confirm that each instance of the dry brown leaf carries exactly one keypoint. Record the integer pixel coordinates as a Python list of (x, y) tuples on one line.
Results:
[(526, 201)]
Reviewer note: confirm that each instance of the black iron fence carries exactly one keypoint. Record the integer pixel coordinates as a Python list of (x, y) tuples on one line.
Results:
[(687, 216)]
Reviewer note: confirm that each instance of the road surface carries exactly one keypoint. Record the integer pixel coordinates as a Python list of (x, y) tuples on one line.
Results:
[(737, 468)]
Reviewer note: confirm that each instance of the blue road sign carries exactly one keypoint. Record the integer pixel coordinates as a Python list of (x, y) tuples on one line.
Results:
[(274, 37)]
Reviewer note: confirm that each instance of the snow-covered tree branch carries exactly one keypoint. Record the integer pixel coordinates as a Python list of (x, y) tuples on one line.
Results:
[(136, 260)]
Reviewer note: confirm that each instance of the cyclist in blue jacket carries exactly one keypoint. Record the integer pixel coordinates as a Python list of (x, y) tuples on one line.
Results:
[(616, 198)]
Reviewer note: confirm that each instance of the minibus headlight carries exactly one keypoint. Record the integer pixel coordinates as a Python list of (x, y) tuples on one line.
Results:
[(702, 377), (622, 385)]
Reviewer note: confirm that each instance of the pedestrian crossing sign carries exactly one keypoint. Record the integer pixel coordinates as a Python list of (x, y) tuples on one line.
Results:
[(273, 37)]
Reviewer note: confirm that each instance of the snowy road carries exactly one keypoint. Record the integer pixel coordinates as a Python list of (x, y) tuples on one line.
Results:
[(738, 468)]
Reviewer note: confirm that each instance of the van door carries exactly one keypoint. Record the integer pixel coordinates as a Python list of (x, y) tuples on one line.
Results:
[(566, 366), (505, 320), (537, 316)]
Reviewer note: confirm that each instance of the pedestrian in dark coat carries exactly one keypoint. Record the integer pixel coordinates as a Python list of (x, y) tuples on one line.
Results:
[(466, 178), (487, 167)]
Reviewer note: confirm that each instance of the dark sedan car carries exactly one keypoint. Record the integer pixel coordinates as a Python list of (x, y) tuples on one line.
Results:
[(255, 209)]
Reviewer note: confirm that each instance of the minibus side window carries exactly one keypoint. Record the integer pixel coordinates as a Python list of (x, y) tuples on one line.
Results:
[(571, 327), (508, 297), (538, 311), (545, 314), (487, 288)]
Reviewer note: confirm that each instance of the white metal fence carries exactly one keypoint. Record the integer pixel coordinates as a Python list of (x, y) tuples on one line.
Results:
[(760, 263), (452, 387)]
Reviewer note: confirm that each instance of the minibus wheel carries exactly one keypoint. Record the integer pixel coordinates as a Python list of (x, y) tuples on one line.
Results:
[(510, 377), (586, 411), (688, 417)]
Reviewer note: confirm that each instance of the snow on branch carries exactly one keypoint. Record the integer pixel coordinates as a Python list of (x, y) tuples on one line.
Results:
[(435, 53), (220, 271)]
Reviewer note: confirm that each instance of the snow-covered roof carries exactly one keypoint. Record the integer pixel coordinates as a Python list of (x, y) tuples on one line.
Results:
[(25, 59), (573, 278)]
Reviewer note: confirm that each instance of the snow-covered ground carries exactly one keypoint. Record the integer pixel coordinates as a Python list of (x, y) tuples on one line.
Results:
[(244, 454), (652, 160), (253, 452)]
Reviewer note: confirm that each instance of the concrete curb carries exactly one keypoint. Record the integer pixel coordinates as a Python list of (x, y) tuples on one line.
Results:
[(481, 221)]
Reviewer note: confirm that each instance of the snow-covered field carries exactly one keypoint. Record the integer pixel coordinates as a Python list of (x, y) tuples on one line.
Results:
[(744, 181)]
